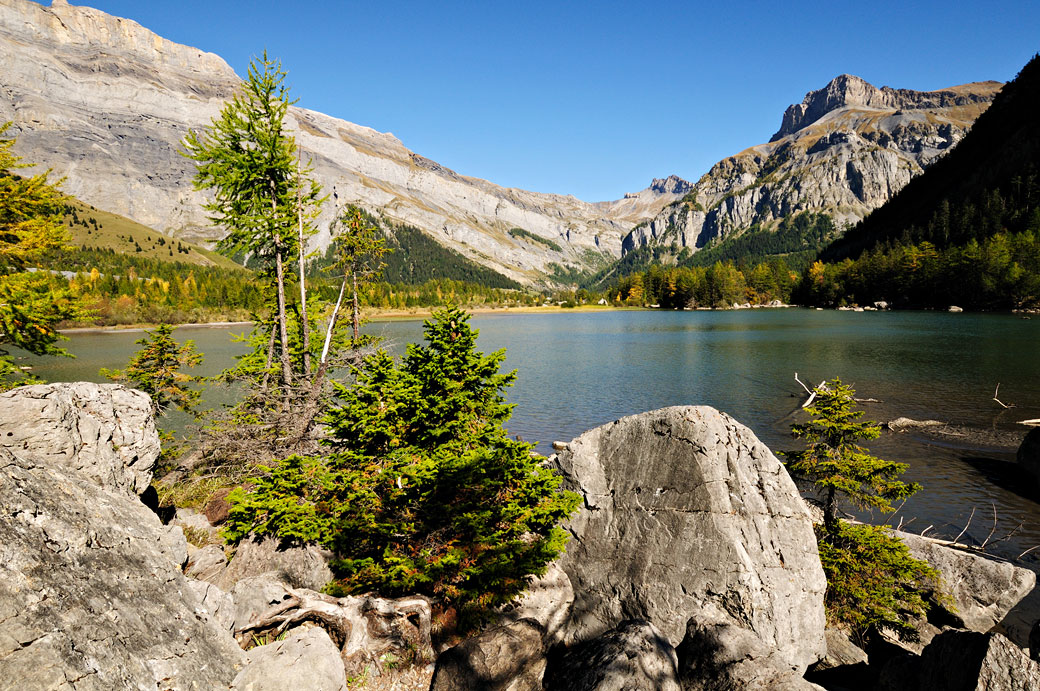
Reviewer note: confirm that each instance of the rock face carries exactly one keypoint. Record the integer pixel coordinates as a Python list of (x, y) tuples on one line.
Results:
[(983, 590), (103, 431), (106, 103), (300, 567), (971, 661), (845, 150), (719, 655), (504, 658), (632, 657), (685, 511), (307, 659), (91, 590)]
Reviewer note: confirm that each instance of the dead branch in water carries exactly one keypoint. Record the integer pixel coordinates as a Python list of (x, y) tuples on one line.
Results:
[(811, 392), (1002, 405)]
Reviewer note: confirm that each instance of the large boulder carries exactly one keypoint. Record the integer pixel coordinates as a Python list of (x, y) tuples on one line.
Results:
[(719, 654), (632, 657), (1028, 456), (983, 590), (684, 509), (91, 590), (306, 659), (300, 567), (504, 658), (968, 661), (103, 431)]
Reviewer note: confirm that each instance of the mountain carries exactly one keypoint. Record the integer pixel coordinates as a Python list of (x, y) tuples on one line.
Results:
[(843, 151), (988, 184), (105, 102)]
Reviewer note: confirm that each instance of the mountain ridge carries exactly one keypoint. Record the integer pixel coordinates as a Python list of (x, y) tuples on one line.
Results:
[(106, 103), (843, 151)]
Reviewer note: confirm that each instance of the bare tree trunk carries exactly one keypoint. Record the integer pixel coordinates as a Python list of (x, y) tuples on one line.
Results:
[(283, 327), (267, 362), (324, 362), (830, 512), (357, 315), (303, 285)]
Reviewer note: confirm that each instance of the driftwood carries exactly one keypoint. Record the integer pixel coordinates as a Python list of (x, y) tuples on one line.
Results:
[(811, 392), (363, 628)]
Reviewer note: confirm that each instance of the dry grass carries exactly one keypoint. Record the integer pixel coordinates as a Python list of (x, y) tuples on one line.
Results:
[(413, 678)]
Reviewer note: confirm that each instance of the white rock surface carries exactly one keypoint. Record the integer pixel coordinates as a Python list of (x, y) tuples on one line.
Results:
[(685, 510), (307, 659)]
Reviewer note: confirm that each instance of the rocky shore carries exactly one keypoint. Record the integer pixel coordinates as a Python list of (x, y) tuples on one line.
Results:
[(692, 565)]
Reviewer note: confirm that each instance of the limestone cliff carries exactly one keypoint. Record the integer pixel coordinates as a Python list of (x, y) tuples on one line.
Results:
[(105, 102), (844, 150)]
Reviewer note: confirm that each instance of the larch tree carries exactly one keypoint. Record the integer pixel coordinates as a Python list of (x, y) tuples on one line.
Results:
[(31, 303), (261, 194)]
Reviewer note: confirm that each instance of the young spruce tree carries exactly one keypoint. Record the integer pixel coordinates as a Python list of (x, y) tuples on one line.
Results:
[(872, 581), (423, 491)]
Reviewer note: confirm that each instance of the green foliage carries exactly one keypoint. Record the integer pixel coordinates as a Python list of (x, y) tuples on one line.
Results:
[(836, 464), (1001, 271), (31, 304), (423, 491), (156, 370), (719, 285), (872, 581), (528, 235), (796, 238)]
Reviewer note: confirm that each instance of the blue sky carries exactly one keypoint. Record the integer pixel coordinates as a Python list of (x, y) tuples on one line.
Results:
[(592, 99)]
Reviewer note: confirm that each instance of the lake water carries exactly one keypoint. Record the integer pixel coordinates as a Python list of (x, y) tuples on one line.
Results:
[(582, 369)]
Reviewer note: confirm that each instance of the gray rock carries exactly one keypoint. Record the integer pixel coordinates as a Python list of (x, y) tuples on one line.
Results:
[(632, 657), (548, 601), (103, 431), (841, 651), (504, 658), (684, 509), (718, 654), (255, 595), (306, 660), (300, 567), (1028, 455), (207, 564), (90, 594), (983, 590), (972, 661), (215, 602)]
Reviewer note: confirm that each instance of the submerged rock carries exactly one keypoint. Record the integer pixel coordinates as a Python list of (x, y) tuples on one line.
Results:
[(684, 510)]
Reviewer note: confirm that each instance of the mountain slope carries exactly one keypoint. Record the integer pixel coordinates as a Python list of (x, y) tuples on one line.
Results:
[(844, 150), (106, 103), (987, 184)]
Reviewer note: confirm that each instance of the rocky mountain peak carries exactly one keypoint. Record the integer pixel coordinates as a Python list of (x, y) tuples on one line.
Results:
[(848, 90), (673, 184)]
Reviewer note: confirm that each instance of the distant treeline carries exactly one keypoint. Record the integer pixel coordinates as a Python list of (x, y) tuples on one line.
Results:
[(720, 285)]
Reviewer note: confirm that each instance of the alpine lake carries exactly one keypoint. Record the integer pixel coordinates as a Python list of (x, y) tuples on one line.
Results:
[(578, 370)]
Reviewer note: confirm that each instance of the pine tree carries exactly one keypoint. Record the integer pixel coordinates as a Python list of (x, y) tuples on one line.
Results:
[(836, 464)]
